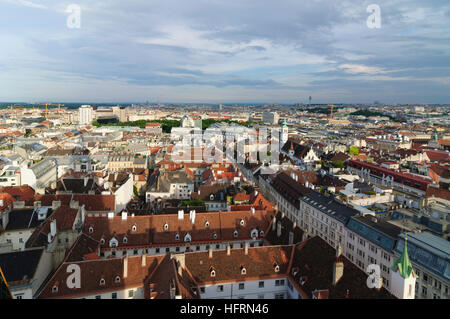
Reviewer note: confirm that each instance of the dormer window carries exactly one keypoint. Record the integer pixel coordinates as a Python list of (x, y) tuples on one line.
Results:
[(261, 233), (102, 241), (117, 279), (177, 237), (254, 234), (215, 236), (242, 222), (125, 240), (55, 289), (276, 267), (134, 228), (212, 272), (91, 230), (166, 226), (211, 197), (207, 224), (235, 234), (102, 282), (187, 238), (243, 270)]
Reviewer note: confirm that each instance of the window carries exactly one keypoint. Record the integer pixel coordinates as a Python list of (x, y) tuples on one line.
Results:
[(117, 280), (261, 284), (279, 282), (134, 228), (125, 240), (102, 282), (130, 293), (114, 295), (55, 288), (279, 296), (91, 230), (241, 286), (98, 297), (260, 296), (202, 290), (167, 249), (220, 288), (157, 250), (102, 241)]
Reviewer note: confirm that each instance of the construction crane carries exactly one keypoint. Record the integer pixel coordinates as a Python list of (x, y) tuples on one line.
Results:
[(331, 116), (46, 108)]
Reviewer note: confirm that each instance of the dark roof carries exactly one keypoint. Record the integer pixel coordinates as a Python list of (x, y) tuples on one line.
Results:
[(290, 189), (287, 226), (23, 219), (314, 261), (20, 265), (300, 151), (330, 206)]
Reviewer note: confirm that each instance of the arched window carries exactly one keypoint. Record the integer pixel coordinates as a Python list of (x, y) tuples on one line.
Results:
[(212, 272), (117, 280), (243, 270)]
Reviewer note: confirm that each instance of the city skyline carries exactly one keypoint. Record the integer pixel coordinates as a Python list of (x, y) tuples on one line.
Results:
[(230, 52)]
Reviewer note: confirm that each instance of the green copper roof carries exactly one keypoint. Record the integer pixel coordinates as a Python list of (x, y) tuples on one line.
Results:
[(403, 263)]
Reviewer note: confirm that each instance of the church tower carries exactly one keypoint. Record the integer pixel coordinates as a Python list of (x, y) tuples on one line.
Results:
[(284, 134), (403, 278)]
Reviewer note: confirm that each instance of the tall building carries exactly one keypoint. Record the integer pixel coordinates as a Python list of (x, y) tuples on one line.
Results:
[(120, 112), (85, 114), (270, 117), (284, 134)]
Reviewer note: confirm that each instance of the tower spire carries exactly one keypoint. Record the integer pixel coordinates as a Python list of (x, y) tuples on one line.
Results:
[(403, 264)]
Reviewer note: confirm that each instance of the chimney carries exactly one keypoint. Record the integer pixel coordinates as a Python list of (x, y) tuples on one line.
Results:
[(125, 266), (181, 263), (180, 214), (83, 214), (53, 228), (73, 204), (210, 252), (36, 204), (144, 259), (246, 248), (338, 269), (291, 238), (305, 236), (274, 223), (253, 210), (110, 215), (338, 251), (124, 215), (193, 217), (279, 229), (228, 250)]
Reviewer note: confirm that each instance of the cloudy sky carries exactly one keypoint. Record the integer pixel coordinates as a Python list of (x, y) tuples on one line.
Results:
[(224, 51)]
